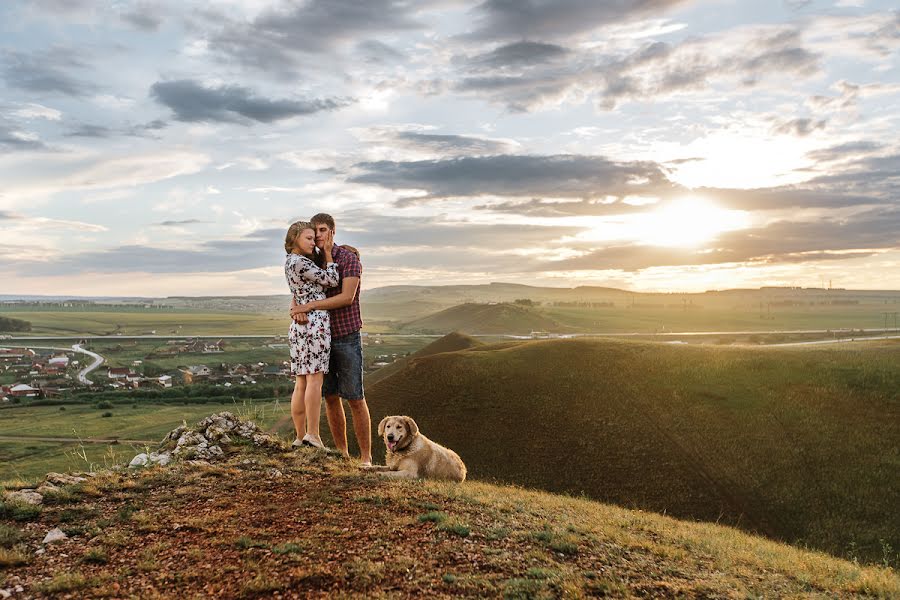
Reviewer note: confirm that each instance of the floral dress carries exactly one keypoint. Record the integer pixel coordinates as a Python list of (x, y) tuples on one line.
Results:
[(311, 341)]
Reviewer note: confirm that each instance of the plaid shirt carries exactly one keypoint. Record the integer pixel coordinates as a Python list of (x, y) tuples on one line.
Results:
[(347, 319)]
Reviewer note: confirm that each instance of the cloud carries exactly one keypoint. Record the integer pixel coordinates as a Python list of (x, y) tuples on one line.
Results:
[(179, 223), (14, 139), (191, 101), (747, 57), (46, 72), (281, 40), (781, 242), (422, 142), (517, 19), (524, 53), (537, 207), (845, 151), (134, 170), (801, 127), (145, 16), (560, 176), (32, 110)]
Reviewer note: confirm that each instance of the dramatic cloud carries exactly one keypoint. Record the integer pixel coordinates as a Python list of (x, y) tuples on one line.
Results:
[(846, 151), (191, 101), (657, 69), (13, 139), (145, 16), (562, 176)]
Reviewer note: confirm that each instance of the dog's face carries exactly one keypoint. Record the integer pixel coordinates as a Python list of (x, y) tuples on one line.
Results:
[(397, 431)]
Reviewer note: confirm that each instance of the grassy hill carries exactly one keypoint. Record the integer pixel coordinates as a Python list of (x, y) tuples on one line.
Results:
[(302, 524), (485, 319), (449, 343), (795, 443)]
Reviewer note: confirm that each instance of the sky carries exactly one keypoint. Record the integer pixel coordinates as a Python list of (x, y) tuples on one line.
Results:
[(162, 148)]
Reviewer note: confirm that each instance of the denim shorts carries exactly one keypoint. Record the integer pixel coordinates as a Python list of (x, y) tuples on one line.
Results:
[(345, 369)]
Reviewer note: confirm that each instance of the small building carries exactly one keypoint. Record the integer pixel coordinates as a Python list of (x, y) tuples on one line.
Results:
[(165, 381), (118, 372), (59, 361), (23, 390), (195, 373)]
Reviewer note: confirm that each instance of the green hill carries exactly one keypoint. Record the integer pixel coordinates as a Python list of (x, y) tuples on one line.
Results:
[(485, 319), (798, 444), (449, 343), (14, 325), (278, 524)]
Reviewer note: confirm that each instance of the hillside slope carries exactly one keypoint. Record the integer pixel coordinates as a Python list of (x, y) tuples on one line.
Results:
[(798, 444), (451, 342), (305, 525), (485, 319)]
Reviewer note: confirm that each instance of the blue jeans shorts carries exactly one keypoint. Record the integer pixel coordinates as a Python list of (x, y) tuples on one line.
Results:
[(345, 369)]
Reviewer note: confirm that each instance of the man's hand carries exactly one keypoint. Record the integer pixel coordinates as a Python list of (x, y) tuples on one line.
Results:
[(301, 309), (301, 318)]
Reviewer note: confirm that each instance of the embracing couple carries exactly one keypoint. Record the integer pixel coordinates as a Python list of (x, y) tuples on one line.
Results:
[(326, 346)]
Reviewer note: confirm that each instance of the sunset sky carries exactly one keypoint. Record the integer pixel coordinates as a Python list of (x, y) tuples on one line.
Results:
[(157, 147)]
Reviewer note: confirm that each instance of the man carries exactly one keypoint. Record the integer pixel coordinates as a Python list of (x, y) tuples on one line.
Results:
[(345, 371)]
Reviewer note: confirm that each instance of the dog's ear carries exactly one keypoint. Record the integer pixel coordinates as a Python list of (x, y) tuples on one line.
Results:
[(381, 425), (411, 426)]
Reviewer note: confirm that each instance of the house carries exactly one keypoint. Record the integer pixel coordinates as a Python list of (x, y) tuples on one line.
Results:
[(23, 390), (118, 372), (15, 355), (195, 373), (165, 381), (59, 361)]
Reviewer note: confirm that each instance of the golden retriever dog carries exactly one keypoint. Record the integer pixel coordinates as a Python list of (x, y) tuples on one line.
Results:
[(411, 455)]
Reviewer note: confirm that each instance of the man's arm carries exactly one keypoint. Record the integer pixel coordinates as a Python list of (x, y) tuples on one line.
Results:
[(345, 298)]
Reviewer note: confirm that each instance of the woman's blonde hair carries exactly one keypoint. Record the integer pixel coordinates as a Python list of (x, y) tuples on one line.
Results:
[(293, 231)]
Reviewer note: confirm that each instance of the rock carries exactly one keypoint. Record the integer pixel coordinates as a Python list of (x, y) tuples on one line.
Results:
[(62, 479), (54, 535), (39, 551), (273, 472), (25, 497), (140, 460), (46, 487), (160, 458), (5, 594)]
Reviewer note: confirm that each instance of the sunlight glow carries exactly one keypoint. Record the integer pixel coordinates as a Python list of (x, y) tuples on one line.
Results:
[(687, 222)]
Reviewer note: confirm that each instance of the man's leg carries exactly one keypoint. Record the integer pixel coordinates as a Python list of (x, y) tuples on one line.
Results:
[(362, 427), (337, 423)]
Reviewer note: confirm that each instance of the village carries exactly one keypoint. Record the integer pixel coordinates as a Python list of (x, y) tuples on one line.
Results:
[(33, 372)]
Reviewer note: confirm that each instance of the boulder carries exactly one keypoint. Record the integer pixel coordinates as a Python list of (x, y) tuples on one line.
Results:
[(140, 460), (25, 497), (63, 479)]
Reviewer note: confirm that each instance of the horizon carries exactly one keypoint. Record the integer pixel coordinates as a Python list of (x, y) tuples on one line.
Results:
[(160, 149)]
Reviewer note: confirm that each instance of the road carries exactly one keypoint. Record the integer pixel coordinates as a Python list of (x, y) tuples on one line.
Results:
[(82, 374)]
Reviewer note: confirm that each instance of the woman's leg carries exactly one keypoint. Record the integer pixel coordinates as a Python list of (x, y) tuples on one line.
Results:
[(298, 407), (313, 401)]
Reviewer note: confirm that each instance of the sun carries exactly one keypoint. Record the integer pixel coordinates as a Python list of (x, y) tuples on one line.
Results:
[(685, 223)]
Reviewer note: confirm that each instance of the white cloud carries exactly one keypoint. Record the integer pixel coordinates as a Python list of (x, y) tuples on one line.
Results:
[(38, 111)]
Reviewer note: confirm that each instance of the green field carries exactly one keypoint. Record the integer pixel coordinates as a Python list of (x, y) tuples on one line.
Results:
[(136, 421), (145, 321), (800, 444)]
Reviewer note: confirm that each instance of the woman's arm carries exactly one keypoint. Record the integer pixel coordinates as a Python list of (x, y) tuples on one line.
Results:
[(308, 270)]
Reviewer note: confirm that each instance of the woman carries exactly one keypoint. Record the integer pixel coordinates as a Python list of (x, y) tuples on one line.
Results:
[(311, 341)]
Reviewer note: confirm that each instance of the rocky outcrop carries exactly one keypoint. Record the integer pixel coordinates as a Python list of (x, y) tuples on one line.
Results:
[(206, 441)]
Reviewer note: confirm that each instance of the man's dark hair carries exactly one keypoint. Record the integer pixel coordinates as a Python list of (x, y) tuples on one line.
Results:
[(323, 218)]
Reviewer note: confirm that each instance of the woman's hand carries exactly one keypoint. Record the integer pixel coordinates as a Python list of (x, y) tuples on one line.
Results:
[(328, 245)]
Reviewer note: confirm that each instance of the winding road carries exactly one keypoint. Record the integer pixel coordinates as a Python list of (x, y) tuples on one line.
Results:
[(82, 374)]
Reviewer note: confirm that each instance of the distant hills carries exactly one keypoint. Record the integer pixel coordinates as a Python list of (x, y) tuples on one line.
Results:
[(485, 319), (449, 343), (798, 444)]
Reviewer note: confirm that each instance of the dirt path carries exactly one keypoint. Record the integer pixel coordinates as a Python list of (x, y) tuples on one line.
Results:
[(28, 438)]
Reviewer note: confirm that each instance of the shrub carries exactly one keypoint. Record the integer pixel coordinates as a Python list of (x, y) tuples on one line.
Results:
[(106, 414)]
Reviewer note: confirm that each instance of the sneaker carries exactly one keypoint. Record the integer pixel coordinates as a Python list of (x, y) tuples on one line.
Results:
[(309, 440), (365, 464), (296, 443)]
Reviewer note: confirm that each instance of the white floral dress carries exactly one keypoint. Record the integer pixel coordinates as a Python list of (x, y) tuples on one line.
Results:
[(310, 342)]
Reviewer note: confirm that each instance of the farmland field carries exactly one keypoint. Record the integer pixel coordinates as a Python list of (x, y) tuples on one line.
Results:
[(133, 421)]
